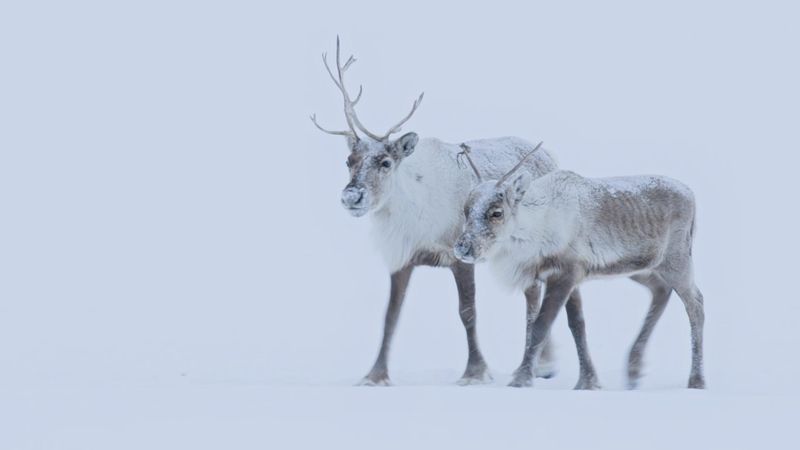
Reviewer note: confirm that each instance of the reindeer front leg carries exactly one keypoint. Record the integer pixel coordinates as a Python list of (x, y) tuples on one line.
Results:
[(588, 377), (477, 372), (546, 367), (556, 294), (379, 375)]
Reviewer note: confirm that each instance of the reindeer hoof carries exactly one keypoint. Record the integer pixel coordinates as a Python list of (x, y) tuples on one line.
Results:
[(375, 380), (523, 377), (590, 384), (520, 382), (634, 372), (477, 373), (472, 381), (697, 382), (479, 378)]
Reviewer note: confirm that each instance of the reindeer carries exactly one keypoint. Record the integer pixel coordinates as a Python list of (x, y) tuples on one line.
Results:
[(415, 190), (562, 229)]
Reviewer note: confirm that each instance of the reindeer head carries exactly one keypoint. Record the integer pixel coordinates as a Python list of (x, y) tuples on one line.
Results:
[(490, 211), (373, 158)]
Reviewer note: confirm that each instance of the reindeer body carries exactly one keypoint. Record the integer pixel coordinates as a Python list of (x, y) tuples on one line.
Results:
[(563, 229), (605, 227)]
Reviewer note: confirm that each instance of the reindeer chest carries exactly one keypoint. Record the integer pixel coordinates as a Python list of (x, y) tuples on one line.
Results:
[(415, 237)]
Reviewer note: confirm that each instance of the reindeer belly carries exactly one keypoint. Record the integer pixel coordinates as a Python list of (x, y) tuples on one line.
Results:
[(434, 257), (609, 262)]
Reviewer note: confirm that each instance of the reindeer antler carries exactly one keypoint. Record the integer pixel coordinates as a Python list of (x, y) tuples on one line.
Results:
[(519, 164), (465, 152), (349, 105)]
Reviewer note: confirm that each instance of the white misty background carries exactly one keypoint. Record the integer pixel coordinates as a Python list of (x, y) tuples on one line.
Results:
[(170, 217)]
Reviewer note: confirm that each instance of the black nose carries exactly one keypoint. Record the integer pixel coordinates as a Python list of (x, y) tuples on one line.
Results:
[(353, 196)]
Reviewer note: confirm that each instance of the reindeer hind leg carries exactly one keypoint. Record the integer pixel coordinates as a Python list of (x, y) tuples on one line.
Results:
[(661, 292), (682, 281)]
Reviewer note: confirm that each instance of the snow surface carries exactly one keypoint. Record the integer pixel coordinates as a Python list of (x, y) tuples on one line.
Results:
[(176, 270)]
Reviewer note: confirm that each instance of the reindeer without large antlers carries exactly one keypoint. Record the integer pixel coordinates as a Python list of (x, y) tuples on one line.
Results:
[(417, 211), (563, 228)]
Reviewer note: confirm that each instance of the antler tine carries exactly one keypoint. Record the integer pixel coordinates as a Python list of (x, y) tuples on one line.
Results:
[(397, 127), (342, 68), (338, 133), (358, 97), (350, 61), (519, 164), (339, 59), (328, 68), (465, 151)]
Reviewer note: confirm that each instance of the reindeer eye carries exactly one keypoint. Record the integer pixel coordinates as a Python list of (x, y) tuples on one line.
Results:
[(496, 214), (386, 163)]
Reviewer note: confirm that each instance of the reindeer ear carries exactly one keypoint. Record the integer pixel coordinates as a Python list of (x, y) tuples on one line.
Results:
[(516, 189), (404, 145)]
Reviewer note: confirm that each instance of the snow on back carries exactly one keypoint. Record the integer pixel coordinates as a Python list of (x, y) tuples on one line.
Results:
[(494, 157), (638, 184)]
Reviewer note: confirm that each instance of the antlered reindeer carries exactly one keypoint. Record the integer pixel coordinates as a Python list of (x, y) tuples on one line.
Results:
[(416, 205), (562, 229)]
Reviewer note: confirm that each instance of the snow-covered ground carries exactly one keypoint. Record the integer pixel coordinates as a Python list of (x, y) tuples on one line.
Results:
[(256, 416), (176, 271)]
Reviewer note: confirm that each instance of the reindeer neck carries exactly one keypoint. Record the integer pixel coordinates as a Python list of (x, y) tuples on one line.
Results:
[(422, 211), (426, 181)]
